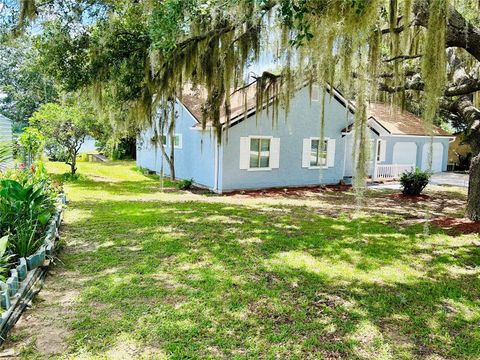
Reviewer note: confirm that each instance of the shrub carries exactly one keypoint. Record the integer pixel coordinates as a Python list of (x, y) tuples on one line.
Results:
[(27, 199), (413, 182), (31, 143), (185, 184)]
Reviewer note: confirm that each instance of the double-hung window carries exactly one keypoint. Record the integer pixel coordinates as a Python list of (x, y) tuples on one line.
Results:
[(318, 153), (259, 153)]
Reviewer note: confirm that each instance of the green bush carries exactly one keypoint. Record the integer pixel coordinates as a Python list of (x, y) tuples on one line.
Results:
[(184, 184), (413, 182), (27, 202)]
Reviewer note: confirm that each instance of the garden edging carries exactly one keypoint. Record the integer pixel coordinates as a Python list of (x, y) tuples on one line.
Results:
[(27, 278)]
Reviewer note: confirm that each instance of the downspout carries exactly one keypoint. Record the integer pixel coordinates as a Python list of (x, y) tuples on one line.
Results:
[(217, 164), (345, 155)]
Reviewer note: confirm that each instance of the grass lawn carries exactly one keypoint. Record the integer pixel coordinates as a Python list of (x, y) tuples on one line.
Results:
[(179, 275)]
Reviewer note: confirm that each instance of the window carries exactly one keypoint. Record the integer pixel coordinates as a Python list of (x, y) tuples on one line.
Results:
[(164, 140), (259, 153), (379, 150), (177, 141), (318, 154)]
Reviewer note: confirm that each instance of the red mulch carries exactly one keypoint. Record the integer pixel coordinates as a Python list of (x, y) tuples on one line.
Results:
[(291, 191), (410, 198), (457, 225)]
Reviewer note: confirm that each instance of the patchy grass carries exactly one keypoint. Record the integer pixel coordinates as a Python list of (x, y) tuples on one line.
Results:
[(178, 275)]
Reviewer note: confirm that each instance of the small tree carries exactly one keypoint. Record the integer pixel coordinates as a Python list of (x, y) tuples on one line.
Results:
[(31, 144), (65, 126)]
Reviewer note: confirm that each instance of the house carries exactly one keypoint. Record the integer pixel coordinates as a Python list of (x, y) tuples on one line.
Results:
[(5, 134), (258, 152)]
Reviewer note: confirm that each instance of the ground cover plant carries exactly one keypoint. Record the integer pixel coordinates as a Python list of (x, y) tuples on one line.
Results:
[(27, 202), (177, 274)]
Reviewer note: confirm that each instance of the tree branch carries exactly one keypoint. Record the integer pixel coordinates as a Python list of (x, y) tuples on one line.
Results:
[(403, 57), (460, 32)]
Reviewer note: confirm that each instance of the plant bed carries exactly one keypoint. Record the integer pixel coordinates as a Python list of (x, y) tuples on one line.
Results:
[(456, 226), (27, 278), (290, 191)]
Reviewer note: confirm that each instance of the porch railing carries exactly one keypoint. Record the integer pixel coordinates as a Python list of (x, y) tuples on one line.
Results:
[(391, 171)]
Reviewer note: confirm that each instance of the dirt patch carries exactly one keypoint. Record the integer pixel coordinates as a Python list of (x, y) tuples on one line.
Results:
[(408, 198), (52, 340), (455, 226), (290, 191)]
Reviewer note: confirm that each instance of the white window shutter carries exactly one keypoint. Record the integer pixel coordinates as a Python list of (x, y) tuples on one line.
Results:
[(383, 150), (307, 147), (244, 153), (275, 153), (330, 152)]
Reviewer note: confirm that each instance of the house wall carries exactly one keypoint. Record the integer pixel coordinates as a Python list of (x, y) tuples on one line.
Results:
[(5, 132), (194, 160), (420, 142), (303, 122)]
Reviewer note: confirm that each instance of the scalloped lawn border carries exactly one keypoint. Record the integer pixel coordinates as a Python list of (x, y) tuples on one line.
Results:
[(26, 279)]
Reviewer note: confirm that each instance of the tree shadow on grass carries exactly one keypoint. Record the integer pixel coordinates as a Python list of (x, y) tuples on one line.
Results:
[(198, 279)]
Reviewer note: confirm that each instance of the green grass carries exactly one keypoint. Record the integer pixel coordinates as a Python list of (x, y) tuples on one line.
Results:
[(182, 276)]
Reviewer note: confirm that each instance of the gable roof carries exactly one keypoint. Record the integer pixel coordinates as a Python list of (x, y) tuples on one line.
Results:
[(242, 101), (243, 104), (397, 122)]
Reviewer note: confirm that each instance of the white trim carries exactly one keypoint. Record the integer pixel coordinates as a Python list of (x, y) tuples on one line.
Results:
[(260, 169), (318, 167), (261, 137), (419, 136), (180, 140), (215, 173)]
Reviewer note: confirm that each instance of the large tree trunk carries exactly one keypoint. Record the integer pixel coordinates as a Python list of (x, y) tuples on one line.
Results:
[(473, 204)]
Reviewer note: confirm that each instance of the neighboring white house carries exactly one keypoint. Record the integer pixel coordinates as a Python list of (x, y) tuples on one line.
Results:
[(255, 152), (5, 134)]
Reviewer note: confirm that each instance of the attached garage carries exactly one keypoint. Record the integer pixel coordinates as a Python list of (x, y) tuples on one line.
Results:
[(437, 156), (404, 153)]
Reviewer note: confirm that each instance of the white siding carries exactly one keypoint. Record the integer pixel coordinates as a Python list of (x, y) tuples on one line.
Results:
[(5, 132)]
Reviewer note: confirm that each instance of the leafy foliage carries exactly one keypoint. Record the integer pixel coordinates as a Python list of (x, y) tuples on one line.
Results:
[(65, 127), (31, 143), (23, 83), (26, 205), (413, 182), (184, 184), (5, 152), (4, 257)]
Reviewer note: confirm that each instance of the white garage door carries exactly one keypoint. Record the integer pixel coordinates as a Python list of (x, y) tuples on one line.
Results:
[(405, 153), (437, 156)]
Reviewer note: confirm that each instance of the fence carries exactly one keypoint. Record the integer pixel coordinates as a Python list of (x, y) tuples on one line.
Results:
[(391, 171)]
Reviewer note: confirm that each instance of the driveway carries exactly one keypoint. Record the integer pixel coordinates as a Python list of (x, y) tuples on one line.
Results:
[(444, 178), (450, 178)]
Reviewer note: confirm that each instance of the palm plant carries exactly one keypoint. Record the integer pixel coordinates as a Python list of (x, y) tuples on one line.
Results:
[(4, 258), (5, 153), (25, 210)]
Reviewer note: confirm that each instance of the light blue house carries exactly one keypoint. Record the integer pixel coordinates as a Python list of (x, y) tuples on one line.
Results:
[(5, 134), (256, 152)]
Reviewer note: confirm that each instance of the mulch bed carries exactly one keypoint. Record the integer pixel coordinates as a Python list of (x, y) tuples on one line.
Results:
[(457, 225), (291, 191), (409, 198)]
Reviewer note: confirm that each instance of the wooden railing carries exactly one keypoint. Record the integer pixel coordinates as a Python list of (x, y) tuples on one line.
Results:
[(391, 171)]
